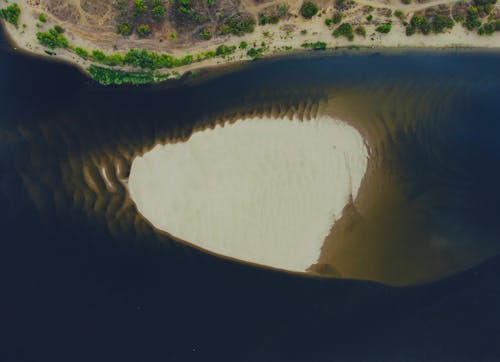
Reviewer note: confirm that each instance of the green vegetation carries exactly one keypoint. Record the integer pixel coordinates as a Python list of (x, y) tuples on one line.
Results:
[(223, 50), (361, 31), (143, 30), (205, 34), (125, 28), (283, 10), (107, 76), (42, 18), (484, 7), (337, 17), (329, 22), (319, 45), (53, 38), (486, 29), (145, 59), (437, 24), (384, 28), (11, 14), (440, 23), (345, 30), (399, 14), (82, 53), (369, 17), (238, 25), (139, 16), (472, 19), (185, 11), (243, 45), (308, 9), (406, 2), (268, 19), (255, 52), (159, 11)]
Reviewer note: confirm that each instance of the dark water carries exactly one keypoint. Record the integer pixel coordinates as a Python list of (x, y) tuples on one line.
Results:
[(84, 278)]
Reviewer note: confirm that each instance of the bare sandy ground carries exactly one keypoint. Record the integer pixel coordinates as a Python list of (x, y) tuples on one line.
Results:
[(265, 191)]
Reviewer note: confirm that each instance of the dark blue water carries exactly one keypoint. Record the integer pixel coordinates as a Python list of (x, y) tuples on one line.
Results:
[(83, 278)]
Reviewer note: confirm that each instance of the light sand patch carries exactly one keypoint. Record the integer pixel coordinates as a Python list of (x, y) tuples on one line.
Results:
[(265, 191)]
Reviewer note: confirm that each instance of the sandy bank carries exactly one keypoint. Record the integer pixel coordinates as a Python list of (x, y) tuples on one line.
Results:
[(265, 191), (288, 35)]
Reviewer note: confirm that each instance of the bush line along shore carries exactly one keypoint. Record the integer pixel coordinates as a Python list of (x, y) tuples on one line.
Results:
[(143, 66)]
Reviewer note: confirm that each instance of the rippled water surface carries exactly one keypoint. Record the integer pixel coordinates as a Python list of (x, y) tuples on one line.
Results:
[(83, 268)]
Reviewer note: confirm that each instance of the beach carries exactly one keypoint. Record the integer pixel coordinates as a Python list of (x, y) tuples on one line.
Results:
[(260, 190)]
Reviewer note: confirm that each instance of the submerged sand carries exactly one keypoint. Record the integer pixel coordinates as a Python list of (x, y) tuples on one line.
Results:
[(261, 190)]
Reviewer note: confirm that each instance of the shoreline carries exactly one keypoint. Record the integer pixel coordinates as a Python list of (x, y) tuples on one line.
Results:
[(22, 38)]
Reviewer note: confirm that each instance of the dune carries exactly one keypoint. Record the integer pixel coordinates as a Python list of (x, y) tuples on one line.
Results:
[(260, 190)]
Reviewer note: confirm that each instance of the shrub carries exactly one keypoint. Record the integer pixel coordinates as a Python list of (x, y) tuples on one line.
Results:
[(337, 17), (140, 8), (319, 45), (11, 14), (308, 9), (255, 53), (125, 28), (223, 50), (329, 22), (143, 30), (369, 17), (98, 55), (82, 52), (238, 26), (472, 19), (384, 28), (205, 34), (417, 21), (268, 19), (399, 14), (440, 23), (283, 9), (42, 18), (53, 38), (486, 29), (243, 45), (107, 76), (410, 30), (159, 12), (361, 31), (59, 29), (345, 30), (406, 2)]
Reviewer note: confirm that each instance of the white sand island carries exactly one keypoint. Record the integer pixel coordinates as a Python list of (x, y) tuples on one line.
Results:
[(265, 191)]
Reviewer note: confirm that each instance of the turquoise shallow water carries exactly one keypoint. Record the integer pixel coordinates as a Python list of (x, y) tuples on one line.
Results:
[(83, 275)]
